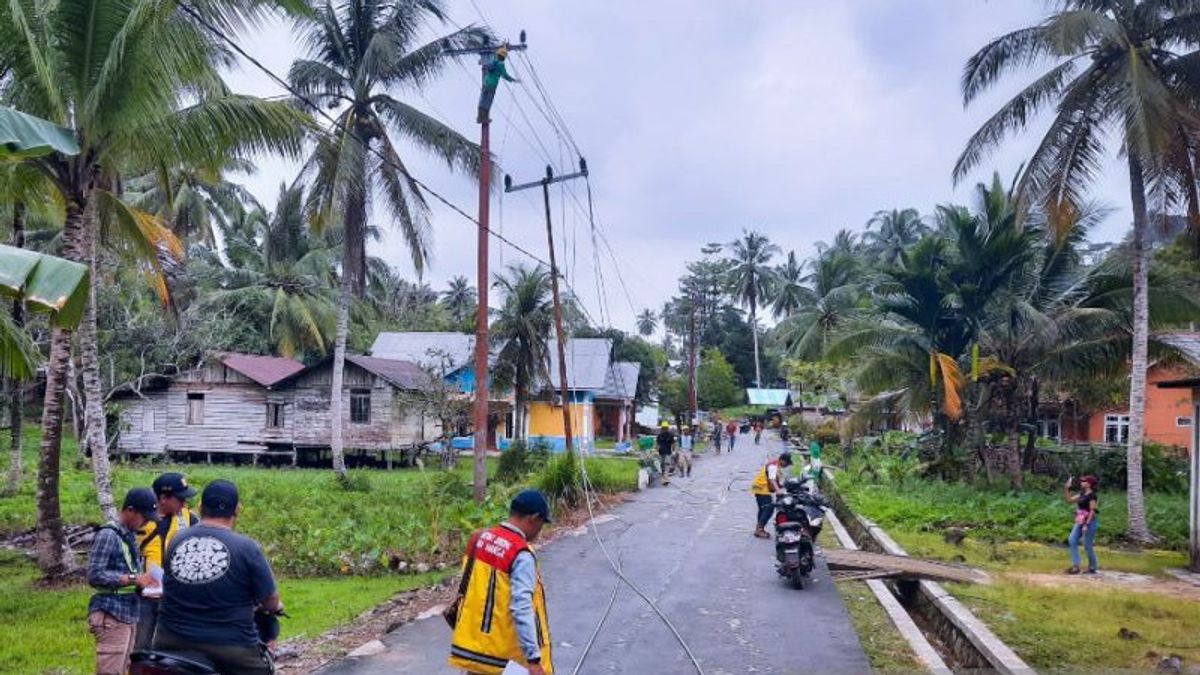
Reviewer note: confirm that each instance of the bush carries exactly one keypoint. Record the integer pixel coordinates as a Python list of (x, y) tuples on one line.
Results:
[(827, 433), (560, 481), (514, 463)]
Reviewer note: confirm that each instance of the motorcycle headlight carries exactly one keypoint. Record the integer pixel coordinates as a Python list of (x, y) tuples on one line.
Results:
[(788, 501)]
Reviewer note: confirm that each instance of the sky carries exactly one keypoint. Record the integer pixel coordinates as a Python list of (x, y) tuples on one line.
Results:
[(699, 119)]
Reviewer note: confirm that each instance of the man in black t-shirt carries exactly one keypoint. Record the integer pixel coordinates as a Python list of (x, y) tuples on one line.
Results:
[(666, 447), (215, 580)]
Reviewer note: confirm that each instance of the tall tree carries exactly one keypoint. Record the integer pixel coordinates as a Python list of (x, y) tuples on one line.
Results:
[(826, 303), (647, 322), (522, 326), (890, 232), (789, 287), (359, 51), (1114, 65), (139, 85), (750, 278), (460, 299)]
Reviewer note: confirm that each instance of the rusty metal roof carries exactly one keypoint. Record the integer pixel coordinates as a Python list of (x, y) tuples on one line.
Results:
[(400, 374), (265, 370)]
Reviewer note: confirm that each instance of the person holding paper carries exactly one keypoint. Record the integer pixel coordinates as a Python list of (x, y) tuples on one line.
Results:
[(172, 492), (501, 626)]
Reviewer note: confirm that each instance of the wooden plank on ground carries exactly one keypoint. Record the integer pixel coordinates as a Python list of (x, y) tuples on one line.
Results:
[(896, 566)]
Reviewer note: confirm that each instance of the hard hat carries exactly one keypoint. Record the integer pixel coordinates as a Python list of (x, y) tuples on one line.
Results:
[(686, 427), (665, 425), (502, 52)]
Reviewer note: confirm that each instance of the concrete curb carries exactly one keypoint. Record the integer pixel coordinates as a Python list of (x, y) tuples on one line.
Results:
[(972, 642), (925, 653)]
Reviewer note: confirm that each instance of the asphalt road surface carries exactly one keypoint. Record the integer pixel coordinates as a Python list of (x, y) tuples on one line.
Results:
[(689, 547)]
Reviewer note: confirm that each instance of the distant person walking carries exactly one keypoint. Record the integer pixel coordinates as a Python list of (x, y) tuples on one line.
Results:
[(717, 429), (1087, 519), (758, 429), (666, 448), (731, 432), (686, 443), (501, 616), (116, 571)]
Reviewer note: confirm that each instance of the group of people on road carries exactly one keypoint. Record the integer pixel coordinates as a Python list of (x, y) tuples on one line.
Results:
[(675, 454), (169, 581)]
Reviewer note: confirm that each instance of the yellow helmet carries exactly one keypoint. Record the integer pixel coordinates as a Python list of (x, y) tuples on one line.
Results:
[(665, 424)]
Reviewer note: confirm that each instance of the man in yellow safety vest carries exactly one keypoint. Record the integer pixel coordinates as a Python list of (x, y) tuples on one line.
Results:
[(764, 487), (172, 492), (502, 615)]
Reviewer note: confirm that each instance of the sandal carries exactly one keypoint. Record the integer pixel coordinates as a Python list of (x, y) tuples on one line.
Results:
[(1072, 570)]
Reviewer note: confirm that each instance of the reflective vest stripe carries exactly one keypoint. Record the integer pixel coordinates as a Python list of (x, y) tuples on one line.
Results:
[(465, 653), (490, 606), (130, 565)]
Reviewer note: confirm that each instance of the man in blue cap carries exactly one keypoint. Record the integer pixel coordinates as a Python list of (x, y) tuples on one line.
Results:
[(214, 581), (501, 570), (172, 492), (115, 570)]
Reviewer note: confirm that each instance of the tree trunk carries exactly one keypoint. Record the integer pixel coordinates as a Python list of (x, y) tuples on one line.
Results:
[(754, 334), (339, 369), (1031, 422), (94, 422), (519, 412), (1138, 528), (16, 399), (51, 544)]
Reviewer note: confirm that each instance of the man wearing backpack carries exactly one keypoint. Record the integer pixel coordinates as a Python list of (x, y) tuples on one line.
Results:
[(172, 492), (115, 570)]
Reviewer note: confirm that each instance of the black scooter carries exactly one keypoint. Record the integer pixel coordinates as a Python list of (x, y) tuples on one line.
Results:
[(153, 662), (799, 515)]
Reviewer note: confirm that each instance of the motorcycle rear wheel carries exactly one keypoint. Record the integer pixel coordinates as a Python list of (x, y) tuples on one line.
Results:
[(797, 579)]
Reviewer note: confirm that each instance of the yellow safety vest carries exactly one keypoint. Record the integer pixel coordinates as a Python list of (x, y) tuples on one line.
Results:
[(153, 540), (761, 485), (485, 636)]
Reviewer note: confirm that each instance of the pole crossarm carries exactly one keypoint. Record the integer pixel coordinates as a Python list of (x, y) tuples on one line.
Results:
[(550, 178), (486, 49)]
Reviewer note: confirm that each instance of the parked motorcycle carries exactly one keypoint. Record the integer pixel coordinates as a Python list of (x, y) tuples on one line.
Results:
[(799, 514), (151, 662)]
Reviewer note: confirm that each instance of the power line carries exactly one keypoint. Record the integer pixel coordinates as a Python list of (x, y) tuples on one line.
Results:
[(191, 11)]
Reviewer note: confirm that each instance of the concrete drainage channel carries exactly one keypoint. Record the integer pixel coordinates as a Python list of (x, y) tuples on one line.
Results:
[(943, 633)]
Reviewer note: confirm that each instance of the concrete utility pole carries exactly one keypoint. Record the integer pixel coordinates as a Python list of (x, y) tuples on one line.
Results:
[(482, 282), (558, 321), (692, 363)]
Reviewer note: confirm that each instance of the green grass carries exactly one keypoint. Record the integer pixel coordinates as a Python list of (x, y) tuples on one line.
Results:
[(1030, 515), (1068, 627), (46, 630), (308, 523), (886, 648)]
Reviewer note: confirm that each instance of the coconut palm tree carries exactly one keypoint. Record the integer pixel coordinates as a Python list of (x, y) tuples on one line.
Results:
[(460, 299), (789, 287), (288, 279), (197, 201), (750, 279), (647, 322), (890, 232), (1114, 65), (359, 51), (828, 303), (138, 85), (522, 326)]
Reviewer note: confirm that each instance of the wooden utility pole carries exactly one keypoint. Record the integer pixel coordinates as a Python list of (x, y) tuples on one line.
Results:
[(482, 281), (558, 320), (1194, 487), (692, 362)]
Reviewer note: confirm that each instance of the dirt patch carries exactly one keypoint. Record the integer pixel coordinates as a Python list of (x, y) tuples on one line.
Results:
[(1138, 583), (304, 656)]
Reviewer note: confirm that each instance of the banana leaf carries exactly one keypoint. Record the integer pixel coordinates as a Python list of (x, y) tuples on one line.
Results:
[(45, 283), (23, 136)]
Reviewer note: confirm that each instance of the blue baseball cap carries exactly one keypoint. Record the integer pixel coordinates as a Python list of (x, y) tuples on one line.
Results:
[(142, 500), (531, 503), (219, 499)]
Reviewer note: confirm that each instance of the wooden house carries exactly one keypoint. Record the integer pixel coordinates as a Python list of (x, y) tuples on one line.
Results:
[(239, 404)]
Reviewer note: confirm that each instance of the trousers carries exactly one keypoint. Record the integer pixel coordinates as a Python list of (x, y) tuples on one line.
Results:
[(1089, 538), (114, 642), (766, 507), (240, 659)]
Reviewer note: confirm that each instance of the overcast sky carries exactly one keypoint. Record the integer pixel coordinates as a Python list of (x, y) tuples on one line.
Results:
[(702, 117)]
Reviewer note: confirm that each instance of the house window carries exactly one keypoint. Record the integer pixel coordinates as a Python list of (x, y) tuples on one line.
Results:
[(274, 415), (195, 408), (1116, 428), (360, 406), (1183, 421)]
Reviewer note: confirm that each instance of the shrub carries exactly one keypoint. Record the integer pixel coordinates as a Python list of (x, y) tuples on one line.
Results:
[(514, 463), (560, 481), (827, 433)]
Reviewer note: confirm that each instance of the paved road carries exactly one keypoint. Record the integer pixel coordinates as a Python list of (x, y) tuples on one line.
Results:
[(688, 546)]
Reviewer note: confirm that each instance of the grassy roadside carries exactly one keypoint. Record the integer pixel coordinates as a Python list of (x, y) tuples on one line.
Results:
[(331, 545), (1052, 622), (886, 648)]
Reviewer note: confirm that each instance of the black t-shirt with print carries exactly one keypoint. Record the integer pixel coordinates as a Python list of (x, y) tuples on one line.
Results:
[(214, 579)]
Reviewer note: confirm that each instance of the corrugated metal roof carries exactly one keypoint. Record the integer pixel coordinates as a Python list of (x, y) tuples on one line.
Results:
[(1186, 344), (774, 397), (430, 350), (622, 380), (587, 363), (401, 374), (265, 370)]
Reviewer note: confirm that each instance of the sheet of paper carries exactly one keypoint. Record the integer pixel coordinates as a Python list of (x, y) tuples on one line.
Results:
[(514, 668)]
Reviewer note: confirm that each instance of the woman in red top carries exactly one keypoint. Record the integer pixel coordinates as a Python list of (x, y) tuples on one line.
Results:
[(731, 431)]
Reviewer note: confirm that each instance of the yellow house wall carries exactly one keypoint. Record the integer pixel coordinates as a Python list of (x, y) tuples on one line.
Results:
[(546, 419)]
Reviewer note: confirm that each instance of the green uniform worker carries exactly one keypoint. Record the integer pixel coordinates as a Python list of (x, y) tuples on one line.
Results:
[(814, 454), (493, 72)]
